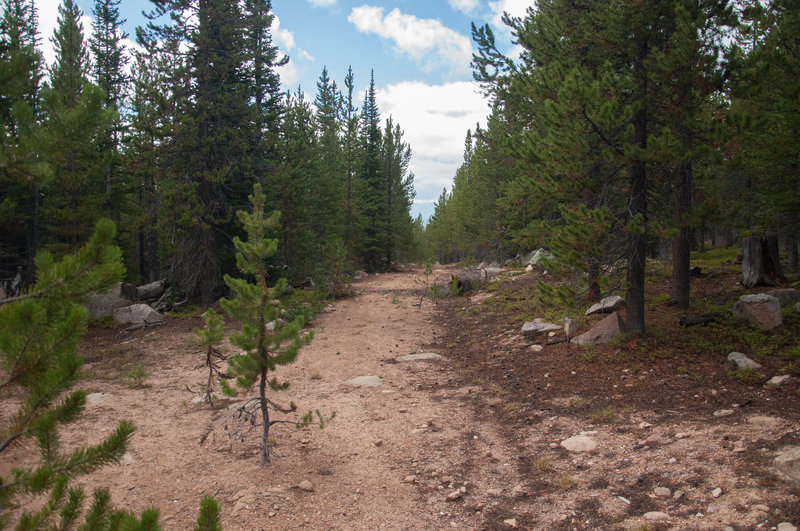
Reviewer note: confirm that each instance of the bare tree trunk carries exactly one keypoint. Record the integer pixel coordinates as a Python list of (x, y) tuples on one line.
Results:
[(760, 265), (262, 393), (681, 283)]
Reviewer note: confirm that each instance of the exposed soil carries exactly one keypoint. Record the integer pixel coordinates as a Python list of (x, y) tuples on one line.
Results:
[(471, 441)]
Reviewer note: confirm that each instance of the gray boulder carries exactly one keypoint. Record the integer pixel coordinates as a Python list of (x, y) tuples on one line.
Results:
[(787, 463), (785, 296), (104, 304), (607, 305), (538, 326), (603, 332), (741, 361), (137, 314), (535, 258), (488, 273), (759, 309), (365, 381)]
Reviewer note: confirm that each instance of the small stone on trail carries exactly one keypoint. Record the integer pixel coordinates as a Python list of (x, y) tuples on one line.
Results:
[(654, 516), (410, 479), (681, 435), (662, 492), (365, 381), (786, 526), (645, 425), (494, 492), (378, 443), (769, 423), (777, 381), (455, 495), (423, 356), (511, 522), (677, 495), (579, 443), (716, 492), (723, 413), (306, 486), (537, 348), (742, 362)]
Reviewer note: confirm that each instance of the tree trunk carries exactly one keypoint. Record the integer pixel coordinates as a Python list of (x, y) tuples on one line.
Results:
[(262, 393), (758, 262), (680, 250), (791, 251), (637, 203), (772, 260)]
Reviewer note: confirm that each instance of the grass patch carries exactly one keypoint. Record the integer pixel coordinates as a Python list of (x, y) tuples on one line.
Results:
[(603, 415), (542, 464), (746, 375)]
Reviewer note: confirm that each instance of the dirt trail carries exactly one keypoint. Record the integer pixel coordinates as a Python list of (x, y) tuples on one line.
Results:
[(388, 461), (438, 444)]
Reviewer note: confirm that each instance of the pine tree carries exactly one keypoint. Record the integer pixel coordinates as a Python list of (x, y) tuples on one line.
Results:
[(75, 119), (39, 358), (351, 152), (22, 170), (371, 186), (267, 340), (70, 72), (110, 61)]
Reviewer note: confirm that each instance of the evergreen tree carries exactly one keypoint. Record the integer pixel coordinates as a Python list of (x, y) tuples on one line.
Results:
[(75, 119), (110, 61), (351, 152), (22, 170), (267, 340), (39, 358), (69, 73), (373, 203)]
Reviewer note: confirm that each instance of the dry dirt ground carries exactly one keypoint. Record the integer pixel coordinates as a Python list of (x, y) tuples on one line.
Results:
[(471, 441)]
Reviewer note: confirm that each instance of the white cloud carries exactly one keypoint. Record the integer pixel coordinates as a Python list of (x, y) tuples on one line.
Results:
[(424, 40), (465, 6), (515, 8), (283, 37), (435, 119), (48, 22), (289, 75), (322, 3), (305, 55)]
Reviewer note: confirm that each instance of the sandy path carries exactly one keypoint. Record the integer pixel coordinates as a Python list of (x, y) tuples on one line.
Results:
[(388, 461)]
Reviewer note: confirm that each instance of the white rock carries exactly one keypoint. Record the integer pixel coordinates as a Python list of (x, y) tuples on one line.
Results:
[(538, 326), (511, 522), (603, 332), (422, 356), (655, 516), (759, 309), (716, 492), (742, 361), (777, 381), (137, 314), (786, 526), (365, 381), (306, 486), (579, 443), (723, 413), (787, 463), (607, 305), (662, 492)]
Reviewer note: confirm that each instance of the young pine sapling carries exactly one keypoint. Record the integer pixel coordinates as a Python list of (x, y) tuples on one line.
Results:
[(266, 340)]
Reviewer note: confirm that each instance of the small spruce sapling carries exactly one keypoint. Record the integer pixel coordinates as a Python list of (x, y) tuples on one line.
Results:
[(267, 340)]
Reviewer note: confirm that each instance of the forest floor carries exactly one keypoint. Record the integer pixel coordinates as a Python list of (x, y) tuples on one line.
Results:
[(469, 441)]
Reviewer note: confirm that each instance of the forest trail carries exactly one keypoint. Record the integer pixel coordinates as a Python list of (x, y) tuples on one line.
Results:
[(438, 444), (389, 460)]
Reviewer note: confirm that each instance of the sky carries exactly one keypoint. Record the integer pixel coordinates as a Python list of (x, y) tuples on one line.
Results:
[(419, 50)]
